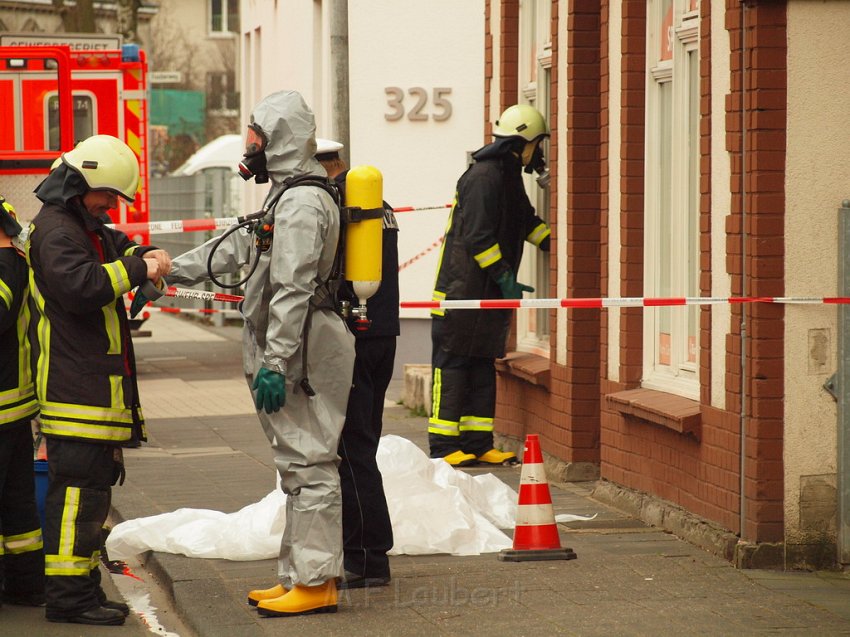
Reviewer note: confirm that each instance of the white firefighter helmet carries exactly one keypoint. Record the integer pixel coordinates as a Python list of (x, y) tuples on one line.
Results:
[(106, 163), (327, 146), (521, 120)]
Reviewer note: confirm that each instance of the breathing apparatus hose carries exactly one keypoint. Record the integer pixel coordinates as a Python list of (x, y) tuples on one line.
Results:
[(252, 221)]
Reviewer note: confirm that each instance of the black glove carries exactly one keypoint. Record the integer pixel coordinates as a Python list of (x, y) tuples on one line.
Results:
[(544, 245), (511, 289)]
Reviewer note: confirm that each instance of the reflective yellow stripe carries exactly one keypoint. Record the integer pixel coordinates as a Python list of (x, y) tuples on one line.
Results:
[(43, 332), (489, 256), (15, 395), (442, 427), (19, 412), (116, 390), (24, 348), (129, 252), (113, 328), (475, 423), (119, 277), (68, 527), (5, 294), (87, 412), (84, 430), (443, 243), (538, 234), (436, 391), (66, 565), (23, 543), (437, 425), (438, 296)]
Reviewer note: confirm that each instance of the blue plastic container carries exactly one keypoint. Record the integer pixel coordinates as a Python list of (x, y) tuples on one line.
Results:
[(41, 481)]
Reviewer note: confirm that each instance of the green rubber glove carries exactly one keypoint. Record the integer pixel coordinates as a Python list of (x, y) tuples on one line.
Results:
[(147, 292), (511, 289), (270, 388), (139, 302)]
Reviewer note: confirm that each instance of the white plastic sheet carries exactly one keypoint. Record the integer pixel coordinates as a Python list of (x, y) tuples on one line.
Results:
[(433, 507)]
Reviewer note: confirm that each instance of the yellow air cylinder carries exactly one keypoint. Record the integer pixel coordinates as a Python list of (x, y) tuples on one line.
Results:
[(363, 239)]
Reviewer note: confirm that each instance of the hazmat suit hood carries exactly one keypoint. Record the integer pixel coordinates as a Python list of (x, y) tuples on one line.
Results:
[(290, 130)]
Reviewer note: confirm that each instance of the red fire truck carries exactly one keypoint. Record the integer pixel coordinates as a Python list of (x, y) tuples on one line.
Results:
[(51, 97)]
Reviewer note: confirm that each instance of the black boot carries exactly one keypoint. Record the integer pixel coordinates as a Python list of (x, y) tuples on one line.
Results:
[(121, 606), (99, 616)]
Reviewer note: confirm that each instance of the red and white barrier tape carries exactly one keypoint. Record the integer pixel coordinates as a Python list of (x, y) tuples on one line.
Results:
[(175, 226), (220, 223), (510, 304), (416, 258), (182, 310), (599, 302), (203, 295), (414, 209)]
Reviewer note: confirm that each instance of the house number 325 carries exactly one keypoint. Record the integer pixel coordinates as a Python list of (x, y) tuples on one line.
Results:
[(442, 108)]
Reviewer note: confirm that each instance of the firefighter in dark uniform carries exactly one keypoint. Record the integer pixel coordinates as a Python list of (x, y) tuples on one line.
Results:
[(367, 532), (488, 225), (21, 553), (85, 375)]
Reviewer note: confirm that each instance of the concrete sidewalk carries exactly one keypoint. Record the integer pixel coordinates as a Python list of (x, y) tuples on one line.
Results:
[(207, 450)]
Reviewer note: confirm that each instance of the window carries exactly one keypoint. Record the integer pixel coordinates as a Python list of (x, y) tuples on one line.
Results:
[(224, 16), (671, 256), (84, 120), (535, 62), (222, 97)]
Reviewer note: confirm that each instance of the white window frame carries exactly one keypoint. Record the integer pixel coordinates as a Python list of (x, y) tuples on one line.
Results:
[(680, 376), (226, 30), (535, 52)]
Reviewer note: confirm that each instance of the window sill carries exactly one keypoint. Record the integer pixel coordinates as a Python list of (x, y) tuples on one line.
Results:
[(680, 414), (531, 368)]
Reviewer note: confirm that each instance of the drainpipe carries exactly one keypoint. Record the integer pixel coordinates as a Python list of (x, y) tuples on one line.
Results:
[(744, 236), (339, 70), (843, 468)]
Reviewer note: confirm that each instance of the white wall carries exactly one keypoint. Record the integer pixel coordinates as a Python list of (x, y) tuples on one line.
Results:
[(818, 165), (434, 44)]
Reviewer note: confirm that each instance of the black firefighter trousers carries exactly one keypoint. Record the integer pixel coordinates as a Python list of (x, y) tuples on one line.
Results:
[(21, 554), (77, 505), (367, 533)]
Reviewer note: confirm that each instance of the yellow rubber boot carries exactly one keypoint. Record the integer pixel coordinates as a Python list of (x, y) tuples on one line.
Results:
[(258, 595), (301, 600), (494, 456), (460, 459)]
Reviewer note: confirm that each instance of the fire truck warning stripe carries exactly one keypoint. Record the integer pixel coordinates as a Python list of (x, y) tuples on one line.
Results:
[(135, 107)]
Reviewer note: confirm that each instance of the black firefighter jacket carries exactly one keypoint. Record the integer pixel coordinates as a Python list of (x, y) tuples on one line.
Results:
[(17, 395), (82, 353), (489, 222)]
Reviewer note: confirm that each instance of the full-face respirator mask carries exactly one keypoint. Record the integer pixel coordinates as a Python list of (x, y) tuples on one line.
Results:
[(253, 164), (538, 164)]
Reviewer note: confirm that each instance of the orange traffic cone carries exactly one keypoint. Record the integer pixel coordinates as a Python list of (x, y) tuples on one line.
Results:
[(535, 533)]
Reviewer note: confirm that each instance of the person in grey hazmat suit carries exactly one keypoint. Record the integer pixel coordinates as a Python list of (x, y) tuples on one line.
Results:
[(289, 332)]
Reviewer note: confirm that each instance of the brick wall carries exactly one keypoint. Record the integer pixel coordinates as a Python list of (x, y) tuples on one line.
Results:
[(755, 123), (566, 414), (700, 471)]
